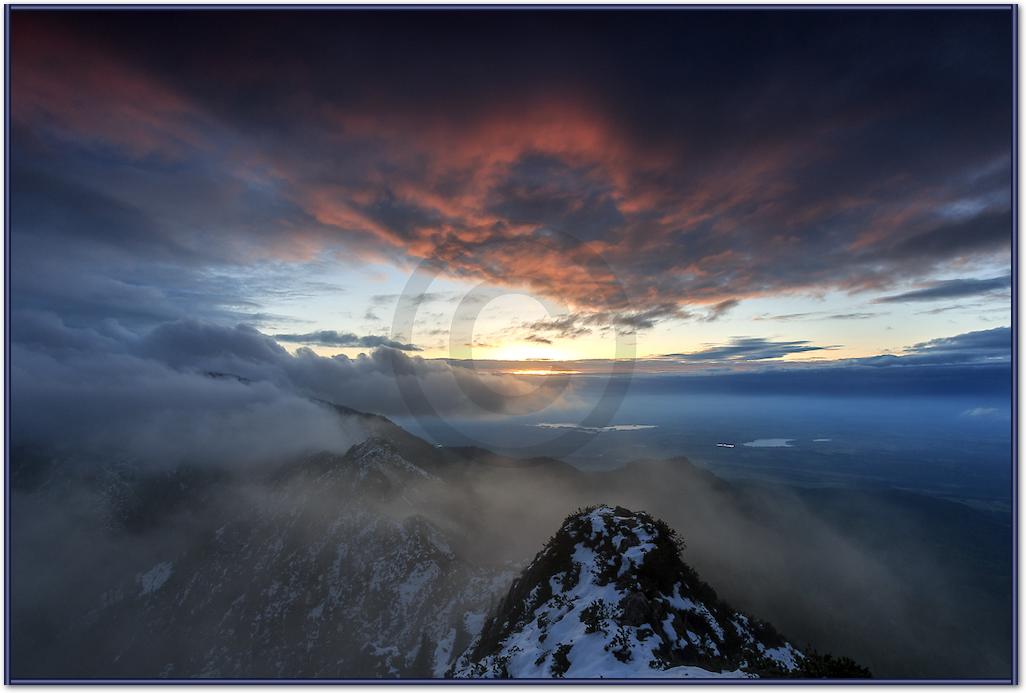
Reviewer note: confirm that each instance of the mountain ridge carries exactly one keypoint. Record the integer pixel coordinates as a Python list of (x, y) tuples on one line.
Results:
[(494, 513), (609, 597)]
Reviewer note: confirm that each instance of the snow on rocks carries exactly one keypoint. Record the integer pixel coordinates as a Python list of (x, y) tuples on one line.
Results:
[(609, 597), (154, 578)]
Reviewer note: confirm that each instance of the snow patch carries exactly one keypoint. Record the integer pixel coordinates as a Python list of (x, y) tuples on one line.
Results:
[(154, 578)]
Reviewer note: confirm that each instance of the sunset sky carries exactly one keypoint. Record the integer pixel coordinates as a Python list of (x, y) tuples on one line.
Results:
[(721, 187)]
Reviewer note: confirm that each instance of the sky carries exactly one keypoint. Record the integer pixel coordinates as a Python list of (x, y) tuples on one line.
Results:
[(697, 189)]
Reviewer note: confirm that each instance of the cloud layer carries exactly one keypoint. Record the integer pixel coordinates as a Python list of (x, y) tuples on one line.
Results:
[(677, 159), (748, 349), (194, 391), (333, 338), (952, 288)]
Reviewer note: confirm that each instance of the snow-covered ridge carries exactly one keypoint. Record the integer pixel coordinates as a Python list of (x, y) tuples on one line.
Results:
[(609, 597), (353, 565), (336, 572), (377, 456)]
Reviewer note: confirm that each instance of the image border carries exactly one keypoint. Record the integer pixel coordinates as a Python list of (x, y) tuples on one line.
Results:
[(1013, 11)]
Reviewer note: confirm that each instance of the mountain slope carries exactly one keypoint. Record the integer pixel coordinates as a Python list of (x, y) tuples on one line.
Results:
[(383, 561), (331, 568), (447, 462), (609, 597)]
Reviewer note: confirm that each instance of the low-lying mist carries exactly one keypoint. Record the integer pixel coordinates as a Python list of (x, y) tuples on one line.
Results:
[(132, 452), (890, 580), (908, 585)]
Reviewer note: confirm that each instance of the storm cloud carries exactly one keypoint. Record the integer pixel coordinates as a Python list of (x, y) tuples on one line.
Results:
[(605, 184)]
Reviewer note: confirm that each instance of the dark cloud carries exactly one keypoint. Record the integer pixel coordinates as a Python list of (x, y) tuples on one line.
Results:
[(627, 322), (986, 231), (951, 288), (152, 393), (978, 308), (717, 189), (564, 326), (119, 405), (748, 349), (980, 346), (639, 320), (720, 309), (332, 338), (544, 191)]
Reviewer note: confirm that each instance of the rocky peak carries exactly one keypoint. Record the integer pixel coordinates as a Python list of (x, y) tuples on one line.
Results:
[(609, 597), (379, 456)]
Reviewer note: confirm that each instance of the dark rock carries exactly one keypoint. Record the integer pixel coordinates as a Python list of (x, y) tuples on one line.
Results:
[(635, 610)]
